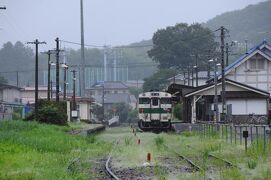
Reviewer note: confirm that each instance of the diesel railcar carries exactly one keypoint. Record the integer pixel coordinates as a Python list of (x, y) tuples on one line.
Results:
[(154, 111)]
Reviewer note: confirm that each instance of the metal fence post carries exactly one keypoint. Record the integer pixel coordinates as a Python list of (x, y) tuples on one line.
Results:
[(257, 134), (264, 140), (251, 134), (235, 130), (231, 132), (240, 134), (226, 133), (222, 130)]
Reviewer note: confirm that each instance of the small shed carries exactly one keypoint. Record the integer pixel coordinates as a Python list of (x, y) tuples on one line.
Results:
[(83, 107)]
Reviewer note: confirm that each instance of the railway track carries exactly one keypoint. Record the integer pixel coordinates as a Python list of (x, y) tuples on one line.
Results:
[(108, 169), (189, 161), (210, 155)]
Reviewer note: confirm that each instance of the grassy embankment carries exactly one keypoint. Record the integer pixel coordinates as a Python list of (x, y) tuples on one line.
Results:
[(29, 150), (255, 164)]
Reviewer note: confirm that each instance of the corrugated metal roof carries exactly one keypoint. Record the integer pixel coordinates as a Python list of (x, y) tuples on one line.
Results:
[(114, 98), (110, 85)]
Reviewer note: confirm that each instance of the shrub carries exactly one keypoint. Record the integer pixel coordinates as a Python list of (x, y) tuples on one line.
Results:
[(177, 111), (50, 112)]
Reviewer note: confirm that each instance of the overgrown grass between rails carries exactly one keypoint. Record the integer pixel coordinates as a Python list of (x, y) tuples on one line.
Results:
[(29, 150), (234, 174), (159, 142)]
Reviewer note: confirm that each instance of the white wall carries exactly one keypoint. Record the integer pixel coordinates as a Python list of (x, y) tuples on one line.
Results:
[(259, 78), (248, 106), (9, 95)]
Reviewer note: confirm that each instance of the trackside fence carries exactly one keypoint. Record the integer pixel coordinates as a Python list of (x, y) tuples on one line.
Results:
[(256, 134)]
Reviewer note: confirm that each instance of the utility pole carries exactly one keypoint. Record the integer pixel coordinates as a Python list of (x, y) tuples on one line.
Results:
[(105, 63), (103, 104), (208, 72), (216, 98), (51, 90), (246, 44), (49, 52), (82, 76), (223, 92), (17, 78), (188, 74), (192, 74), (73, 92), (227, 54), (57, 69), (115, 65), (197, 75), (36, 42)]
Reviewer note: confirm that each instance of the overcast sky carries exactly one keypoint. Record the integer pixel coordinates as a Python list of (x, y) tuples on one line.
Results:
[(114, 22)]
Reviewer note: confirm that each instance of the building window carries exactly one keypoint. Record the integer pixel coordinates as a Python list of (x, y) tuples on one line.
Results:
[(260, 63), (253, 63), (257, 62)]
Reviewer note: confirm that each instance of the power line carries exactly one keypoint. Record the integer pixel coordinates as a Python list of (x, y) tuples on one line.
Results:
[(100, 46)]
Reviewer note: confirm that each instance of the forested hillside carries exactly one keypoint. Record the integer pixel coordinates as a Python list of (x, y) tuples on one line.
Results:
[(251, 23), (17, 63)]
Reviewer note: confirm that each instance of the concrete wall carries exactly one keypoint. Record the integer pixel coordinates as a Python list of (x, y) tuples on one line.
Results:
[(29, 95), (248, 106)]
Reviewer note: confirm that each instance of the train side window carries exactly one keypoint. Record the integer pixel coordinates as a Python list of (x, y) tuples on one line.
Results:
[(165, 100), (155, 101), (144, 101)]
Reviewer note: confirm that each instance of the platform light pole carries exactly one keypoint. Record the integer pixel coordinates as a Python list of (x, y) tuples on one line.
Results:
[(82, 72), (216, 109), (65, 67), (49, 52), (73, 91)]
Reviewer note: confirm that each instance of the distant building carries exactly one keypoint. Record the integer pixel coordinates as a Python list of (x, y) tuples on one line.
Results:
[(113, 92), (107, 87), (134, 83), (10, 94), (10, 98), (28, 94), (191, 80)]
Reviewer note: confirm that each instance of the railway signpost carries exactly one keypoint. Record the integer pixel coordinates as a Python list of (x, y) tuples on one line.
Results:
[(245, 135)]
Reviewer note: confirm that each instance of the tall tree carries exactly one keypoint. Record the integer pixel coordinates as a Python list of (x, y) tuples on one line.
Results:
[(177, 46), (158, 81)]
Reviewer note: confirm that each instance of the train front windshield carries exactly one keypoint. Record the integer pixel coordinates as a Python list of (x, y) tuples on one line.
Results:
[(165, 100), (144, 100), (155, 101)]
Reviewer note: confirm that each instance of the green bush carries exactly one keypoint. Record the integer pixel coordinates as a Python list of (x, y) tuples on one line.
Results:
[(50, 112), (177, 111)]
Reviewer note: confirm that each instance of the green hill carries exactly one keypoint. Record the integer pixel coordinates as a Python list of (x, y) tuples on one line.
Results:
[(251, 23)]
